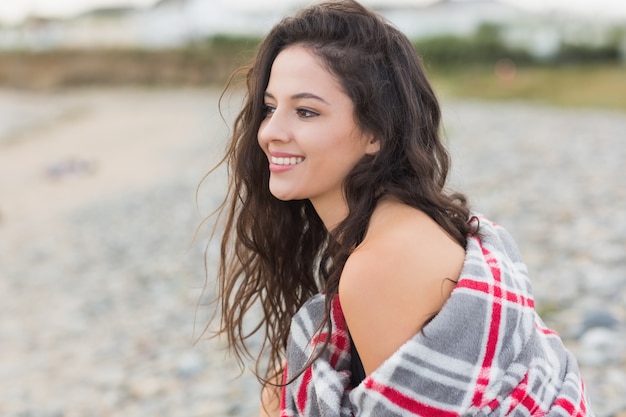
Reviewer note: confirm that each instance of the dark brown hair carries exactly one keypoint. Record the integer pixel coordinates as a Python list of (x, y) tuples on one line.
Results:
[(278, 254)]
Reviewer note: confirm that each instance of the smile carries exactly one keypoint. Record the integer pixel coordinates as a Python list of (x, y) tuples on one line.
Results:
[(294, 160)]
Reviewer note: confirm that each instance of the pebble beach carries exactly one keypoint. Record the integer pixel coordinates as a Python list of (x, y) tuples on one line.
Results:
[(102, 243)]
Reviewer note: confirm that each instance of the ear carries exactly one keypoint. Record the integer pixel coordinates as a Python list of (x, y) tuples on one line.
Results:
[(373, 146)]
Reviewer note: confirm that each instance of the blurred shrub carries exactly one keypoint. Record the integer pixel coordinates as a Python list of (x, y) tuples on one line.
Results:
[(205, 62), (485, 47), (210, 61), (224, 43), (584, 54)]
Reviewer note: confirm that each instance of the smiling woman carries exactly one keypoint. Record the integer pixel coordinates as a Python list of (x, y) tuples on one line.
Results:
[(382, 294)]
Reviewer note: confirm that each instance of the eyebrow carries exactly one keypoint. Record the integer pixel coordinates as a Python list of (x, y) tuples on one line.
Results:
[(301, 96)]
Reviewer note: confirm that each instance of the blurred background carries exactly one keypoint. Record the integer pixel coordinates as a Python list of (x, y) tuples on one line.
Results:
[(109, 120)]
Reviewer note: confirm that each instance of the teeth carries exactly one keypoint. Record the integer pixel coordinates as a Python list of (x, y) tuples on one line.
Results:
[(294, 160)]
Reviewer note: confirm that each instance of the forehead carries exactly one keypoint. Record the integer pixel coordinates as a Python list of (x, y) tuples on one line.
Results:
[(297, 67)]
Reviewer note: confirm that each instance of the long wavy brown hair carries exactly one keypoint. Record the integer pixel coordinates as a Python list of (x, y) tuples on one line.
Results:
[(277, 254)]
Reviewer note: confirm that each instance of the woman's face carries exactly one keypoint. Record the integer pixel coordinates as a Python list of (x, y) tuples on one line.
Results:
[(309, 133)]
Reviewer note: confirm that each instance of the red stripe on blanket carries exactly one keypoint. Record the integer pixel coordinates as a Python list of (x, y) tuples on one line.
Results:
[(495, 291), (508, 295), (338, 345), (518, 394), (342, 340), (545, 330), (486, 288), (283, 394), (571, 409), (521, 395), (303, 390), (583, 404), (533, 408), (405, 402)]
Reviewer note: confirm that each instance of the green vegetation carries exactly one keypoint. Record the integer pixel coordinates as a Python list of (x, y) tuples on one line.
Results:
[(483, 66), (484, 47), (201, 63), (480, 66), (602, 86)]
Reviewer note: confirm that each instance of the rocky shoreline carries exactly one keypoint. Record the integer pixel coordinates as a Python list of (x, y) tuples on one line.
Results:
[(101, 268)]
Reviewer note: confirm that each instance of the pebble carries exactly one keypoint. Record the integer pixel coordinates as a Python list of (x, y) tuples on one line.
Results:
[(600, 347), (190, 365), (599, 318), (99, 302)]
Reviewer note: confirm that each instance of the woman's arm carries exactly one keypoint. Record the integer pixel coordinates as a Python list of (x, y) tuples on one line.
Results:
[(270, 401), (270, 395), (396, 280)]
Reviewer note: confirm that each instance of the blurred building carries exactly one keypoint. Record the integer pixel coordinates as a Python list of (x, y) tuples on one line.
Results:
[(169, 23), (460, 18), (172, 23), (99, 28), (537, 33), (176, 22)]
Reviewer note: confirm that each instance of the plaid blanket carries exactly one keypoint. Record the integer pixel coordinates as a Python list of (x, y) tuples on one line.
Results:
[(487, 353)]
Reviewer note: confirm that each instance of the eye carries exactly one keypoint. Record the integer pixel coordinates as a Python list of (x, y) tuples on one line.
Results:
[(306, 113), (268, 110)]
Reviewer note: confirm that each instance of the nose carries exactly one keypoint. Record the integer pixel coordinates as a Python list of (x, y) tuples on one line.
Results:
[(275, 127)]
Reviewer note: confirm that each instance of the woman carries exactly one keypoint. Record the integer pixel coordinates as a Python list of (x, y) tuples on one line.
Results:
[(381, 293)]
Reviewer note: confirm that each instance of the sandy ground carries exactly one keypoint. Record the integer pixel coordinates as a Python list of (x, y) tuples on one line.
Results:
[(76, 147)]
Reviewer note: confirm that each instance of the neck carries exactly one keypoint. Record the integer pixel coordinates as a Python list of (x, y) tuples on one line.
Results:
[(331, 212)]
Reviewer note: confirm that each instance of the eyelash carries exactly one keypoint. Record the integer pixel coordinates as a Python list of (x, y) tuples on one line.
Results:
[(302, 113), (268, 110), (306, 113)]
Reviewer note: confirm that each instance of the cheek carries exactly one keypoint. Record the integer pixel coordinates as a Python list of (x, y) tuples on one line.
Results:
[(340, 157)]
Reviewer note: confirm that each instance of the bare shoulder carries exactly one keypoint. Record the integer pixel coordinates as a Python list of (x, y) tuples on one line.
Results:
[(399, 277)]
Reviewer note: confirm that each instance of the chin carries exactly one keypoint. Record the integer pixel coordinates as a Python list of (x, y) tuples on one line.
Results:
[(284, 193), (282, 196)]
